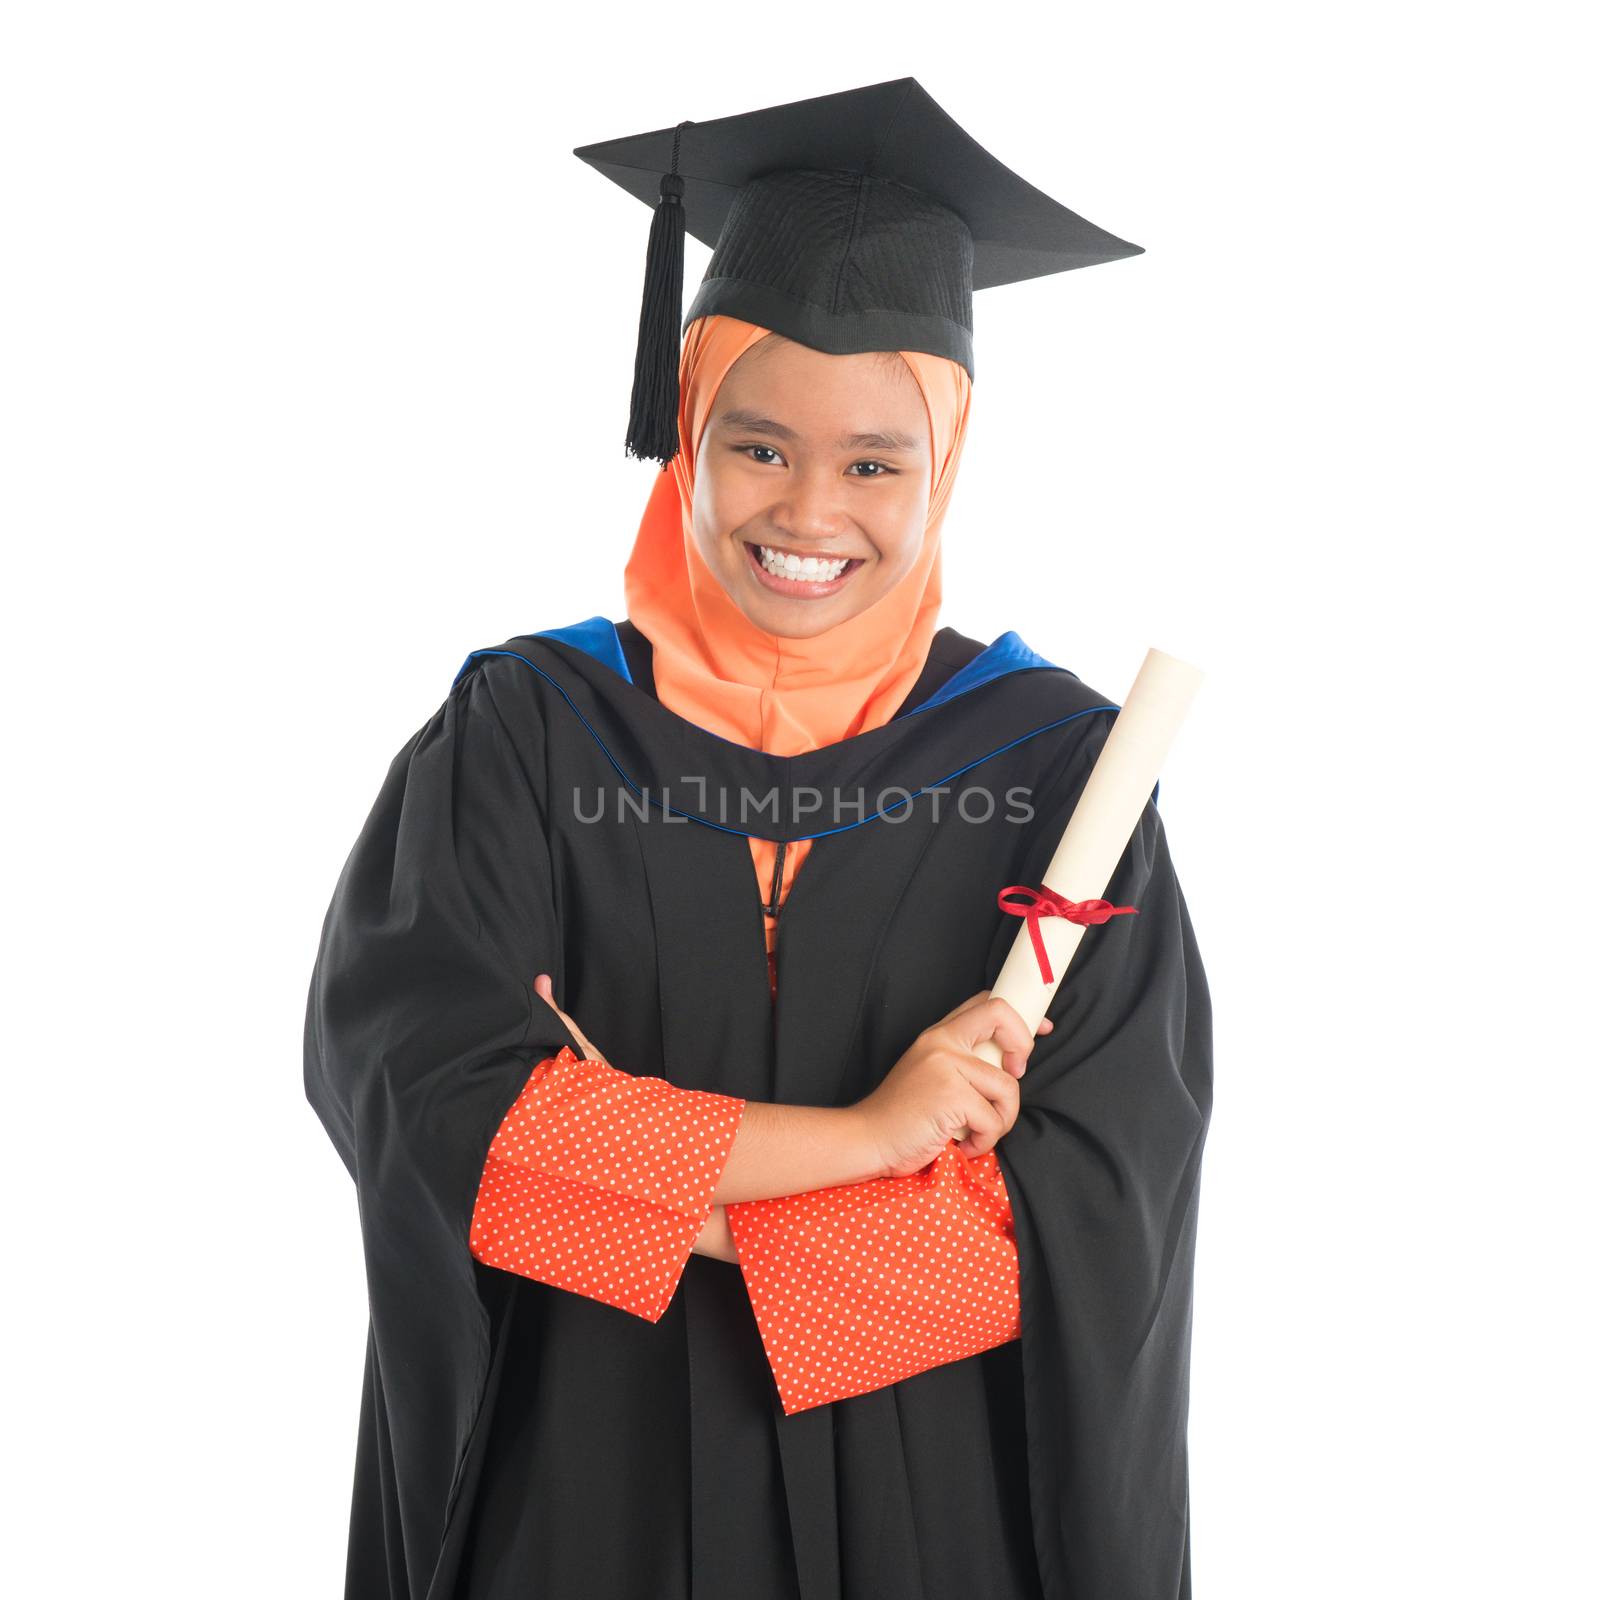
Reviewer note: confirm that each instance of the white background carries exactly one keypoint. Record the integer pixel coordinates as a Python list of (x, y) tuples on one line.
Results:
[(316, 349)]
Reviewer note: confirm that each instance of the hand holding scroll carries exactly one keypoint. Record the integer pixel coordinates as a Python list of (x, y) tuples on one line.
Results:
[(941, 1086)]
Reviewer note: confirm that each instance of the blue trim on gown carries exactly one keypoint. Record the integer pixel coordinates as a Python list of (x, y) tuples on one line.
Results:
[(597, 637)]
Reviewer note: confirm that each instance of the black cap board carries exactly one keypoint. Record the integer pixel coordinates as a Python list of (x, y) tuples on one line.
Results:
[(848, 222)]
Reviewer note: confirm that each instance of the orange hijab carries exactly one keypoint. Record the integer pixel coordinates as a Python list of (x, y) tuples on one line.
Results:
[(715, 667)]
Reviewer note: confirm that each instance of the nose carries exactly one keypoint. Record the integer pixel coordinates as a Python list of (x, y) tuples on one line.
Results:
[(810, 510)]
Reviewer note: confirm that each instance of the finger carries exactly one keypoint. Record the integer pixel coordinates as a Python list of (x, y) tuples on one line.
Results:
[(1013, 1032), (997, 1020), (983, 1129), (994, 1085), (1046, 1026), (589, 1051), (1009, 1108), (542, 988), (1013, 1036)]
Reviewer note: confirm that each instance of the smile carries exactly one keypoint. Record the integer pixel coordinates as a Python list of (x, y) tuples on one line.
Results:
[(806, 577)]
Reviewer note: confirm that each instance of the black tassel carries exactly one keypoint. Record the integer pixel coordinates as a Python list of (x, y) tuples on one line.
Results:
[(653, 411)]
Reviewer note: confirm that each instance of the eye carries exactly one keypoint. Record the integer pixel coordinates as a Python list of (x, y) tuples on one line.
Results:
[(884, 471), (743, 449)]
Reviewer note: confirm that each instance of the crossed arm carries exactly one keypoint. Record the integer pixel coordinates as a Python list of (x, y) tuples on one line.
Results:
[(603, 1184)]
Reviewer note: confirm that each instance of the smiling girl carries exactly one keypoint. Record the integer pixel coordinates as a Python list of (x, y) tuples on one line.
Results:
[(774, 1286)]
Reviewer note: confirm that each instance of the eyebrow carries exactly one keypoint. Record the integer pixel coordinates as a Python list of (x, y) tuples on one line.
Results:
[(754, 422)]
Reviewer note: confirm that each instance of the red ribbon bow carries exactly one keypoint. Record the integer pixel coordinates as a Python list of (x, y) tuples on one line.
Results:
[(1045, 902)]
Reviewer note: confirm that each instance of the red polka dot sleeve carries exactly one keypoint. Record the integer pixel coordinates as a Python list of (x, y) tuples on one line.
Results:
[(864, 1284), (599, 1181)]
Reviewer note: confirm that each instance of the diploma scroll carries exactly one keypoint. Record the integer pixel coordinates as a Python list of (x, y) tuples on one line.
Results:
[(1102, 823)]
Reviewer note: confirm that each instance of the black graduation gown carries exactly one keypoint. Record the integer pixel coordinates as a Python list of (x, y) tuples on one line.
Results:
[(519, 1442)]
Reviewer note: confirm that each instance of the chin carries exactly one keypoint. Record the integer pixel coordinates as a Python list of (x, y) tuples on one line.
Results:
[(804, 627), (800, 632)]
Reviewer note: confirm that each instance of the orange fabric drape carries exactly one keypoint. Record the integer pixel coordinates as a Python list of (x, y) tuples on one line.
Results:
[(716, 668), (599, 1181)]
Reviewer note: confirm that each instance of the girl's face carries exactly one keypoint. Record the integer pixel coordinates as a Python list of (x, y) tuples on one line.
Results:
[(812, 484)]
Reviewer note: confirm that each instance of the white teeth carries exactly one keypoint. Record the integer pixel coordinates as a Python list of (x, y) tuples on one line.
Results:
[(809, 570)]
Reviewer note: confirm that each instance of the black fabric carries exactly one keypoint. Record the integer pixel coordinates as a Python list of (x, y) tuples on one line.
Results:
[(517, 1440), (862, 220), (639, 653), (844, 262)]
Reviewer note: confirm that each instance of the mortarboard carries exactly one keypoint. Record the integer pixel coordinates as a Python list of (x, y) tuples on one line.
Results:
[(848, 222)]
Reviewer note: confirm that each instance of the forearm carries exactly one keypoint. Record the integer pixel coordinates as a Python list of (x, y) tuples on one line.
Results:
[(651, 1159), (716, 1238), (864, 1284), (783, 1149)]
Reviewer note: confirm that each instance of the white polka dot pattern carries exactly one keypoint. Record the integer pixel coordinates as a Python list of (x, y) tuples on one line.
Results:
[(861, 1285), (599, 1181)]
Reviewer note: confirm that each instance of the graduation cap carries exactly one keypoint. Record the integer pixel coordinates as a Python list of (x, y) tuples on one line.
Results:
[(848, 222)]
